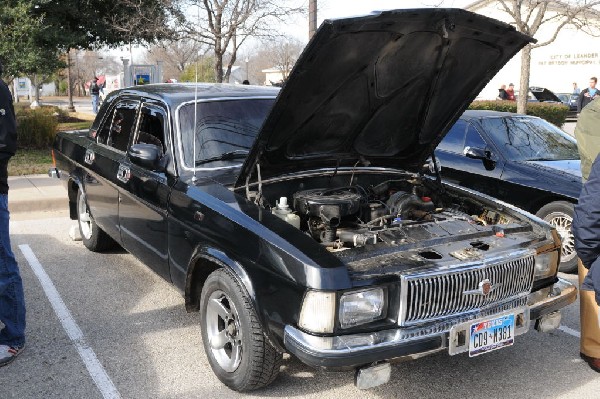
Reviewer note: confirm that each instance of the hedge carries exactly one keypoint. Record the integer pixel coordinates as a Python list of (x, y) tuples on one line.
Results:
[(552, 112), (36, 128)]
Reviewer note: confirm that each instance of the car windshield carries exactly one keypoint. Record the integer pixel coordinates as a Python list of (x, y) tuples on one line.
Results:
[(530, 139), (225, 130)]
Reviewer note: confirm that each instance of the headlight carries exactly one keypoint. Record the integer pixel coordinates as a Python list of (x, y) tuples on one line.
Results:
[(546, 264), (318, 312), (361, 307)]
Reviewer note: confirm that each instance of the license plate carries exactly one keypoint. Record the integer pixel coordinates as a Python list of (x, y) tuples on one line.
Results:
[(491, 334)]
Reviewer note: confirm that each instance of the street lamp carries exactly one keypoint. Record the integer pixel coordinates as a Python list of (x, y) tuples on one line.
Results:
[(247, 59)]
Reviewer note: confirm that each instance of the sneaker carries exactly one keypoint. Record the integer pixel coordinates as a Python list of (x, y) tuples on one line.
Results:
[(9, 353)]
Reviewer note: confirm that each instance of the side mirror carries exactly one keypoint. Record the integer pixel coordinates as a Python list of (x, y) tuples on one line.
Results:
[(146, 155), (476, 153)]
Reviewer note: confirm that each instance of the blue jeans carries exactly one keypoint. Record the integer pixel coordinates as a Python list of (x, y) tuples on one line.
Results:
[(12, 300), (95, 99)]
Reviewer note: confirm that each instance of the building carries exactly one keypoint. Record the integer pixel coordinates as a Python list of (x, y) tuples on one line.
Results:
[(573, 57)]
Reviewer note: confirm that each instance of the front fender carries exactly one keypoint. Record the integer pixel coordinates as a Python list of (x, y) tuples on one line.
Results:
[(204, 261)]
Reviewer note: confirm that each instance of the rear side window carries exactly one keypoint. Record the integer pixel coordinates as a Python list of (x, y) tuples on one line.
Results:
[(118, 127), (455, 139)]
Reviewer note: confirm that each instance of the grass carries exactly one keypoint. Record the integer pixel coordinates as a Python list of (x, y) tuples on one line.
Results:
[(29, 162), (74, 125)]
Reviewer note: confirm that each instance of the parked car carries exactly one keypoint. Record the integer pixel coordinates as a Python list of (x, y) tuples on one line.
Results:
[(523, 160), (569, 100), (305, 224)]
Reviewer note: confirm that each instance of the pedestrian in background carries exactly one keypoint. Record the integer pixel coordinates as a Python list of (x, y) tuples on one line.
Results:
[(586, 230), (12, 299), (95, 93), (502, 93), (587, 96), (576, 90), (510, 92)]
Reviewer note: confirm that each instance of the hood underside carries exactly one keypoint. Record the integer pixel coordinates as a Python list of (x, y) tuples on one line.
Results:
[(380, 90)]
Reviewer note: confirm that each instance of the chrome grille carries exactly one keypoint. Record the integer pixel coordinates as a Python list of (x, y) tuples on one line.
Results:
[(430, 296)]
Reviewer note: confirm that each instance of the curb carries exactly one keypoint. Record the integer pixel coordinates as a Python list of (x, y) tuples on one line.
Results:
[(48, 204)]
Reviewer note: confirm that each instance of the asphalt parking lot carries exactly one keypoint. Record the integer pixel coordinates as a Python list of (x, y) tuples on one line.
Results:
[(122, 331)]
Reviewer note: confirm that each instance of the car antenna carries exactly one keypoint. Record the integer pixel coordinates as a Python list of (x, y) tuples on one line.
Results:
[(194, 178)]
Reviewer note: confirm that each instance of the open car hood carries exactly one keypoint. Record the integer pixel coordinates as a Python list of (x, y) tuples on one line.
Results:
[(380, 90), (542, 94)]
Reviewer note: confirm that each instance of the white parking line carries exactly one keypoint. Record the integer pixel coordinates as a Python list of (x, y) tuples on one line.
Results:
[(93, 365), (570, 331)]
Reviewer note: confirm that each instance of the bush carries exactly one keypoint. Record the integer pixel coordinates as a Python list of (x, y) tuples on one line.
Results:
[(552, 112), (36, 128)]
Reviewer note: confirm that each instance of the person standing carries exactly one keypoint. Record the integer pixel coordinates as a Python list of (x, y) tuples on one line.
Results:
[(510, 92), (12, 299), (576, 90), (587, 95), (585, 230), (95, 93)]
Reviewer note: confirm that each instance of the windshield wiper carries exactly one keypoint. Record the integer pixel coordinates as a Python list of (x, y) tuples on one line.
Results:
[(224, 157)]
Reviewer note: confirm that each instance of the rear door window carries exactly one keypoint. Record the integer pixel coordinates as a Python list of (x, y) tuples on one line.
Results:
[(119, 126)]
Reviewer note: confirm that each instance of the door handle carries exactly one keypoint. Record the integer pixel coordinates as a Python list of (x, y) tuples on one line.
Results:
[(124, 173), (90, 157)]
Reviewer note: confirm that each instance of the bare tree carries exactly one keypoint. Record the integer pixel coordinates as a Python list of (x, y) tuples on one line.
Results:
[(226, 24), (176, 55), (85, 65), (282, 53), (528, 16)]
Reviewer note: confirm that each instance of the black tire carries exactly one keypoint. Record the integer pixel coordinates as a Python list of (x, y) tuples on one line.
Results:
[(258, 362), (560, 215), (93, 237)]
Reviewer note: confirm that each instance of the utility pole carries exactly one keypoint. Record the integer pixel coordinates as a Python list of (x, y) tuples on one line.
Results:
[(71, 107), (312, 18)]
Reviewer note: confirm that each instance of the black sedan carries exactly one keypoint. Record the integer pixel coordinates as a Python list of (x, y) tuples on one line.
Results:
[(522, 160)]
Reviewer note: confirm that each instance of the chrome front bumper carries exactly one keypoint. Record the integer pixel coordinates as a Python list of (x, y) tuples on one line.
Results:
[(349, 351)]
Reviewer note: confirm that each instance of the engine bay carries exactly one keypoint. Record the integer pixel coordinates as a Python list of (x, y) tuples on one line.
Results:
[(388, 213)]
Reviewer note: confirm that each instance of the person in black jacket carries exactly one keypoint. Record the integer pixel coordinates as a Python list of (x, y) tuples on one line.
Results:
[(12, 300), (502, 94), (586, 229), (95, 93), (587, 95)]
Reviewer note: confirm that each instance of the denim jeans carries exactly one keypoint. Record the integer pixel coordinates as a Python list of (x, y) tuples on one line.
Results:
[(95, 100), (12, 300)]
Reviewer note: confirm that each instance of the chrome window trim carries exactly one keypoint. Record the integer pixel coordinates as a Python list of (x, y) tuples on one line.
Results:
[(206, 100)]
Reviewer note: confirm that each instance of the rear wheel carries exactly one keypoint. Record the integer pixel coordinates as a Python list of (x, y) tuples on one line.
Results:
[(234, 341), (93, 237), (559, 214)]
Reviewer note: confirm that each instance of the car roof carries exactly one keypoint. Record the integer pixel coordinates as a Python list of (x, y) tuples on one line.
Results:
[(177, 93), (481, 114)]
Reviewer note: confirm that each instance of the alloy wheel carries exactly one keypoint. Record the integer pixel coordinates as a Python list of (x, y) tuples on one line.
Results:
[(223, 331)]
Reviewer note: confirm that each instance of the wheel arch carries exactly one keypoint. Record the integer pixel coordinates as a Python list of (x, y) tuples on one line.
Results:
[(540, 202), (73, 186), (203, 263)]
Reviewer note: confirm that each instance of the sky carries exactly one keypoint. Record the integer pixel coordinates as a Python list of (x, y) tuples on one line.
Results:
[(298, 27), (346, 8)]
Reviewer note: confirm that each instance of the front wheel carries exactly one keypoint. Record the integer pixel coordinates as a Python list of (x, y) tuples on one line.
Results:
[(234, 341), (93, 237), (559, 214)]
